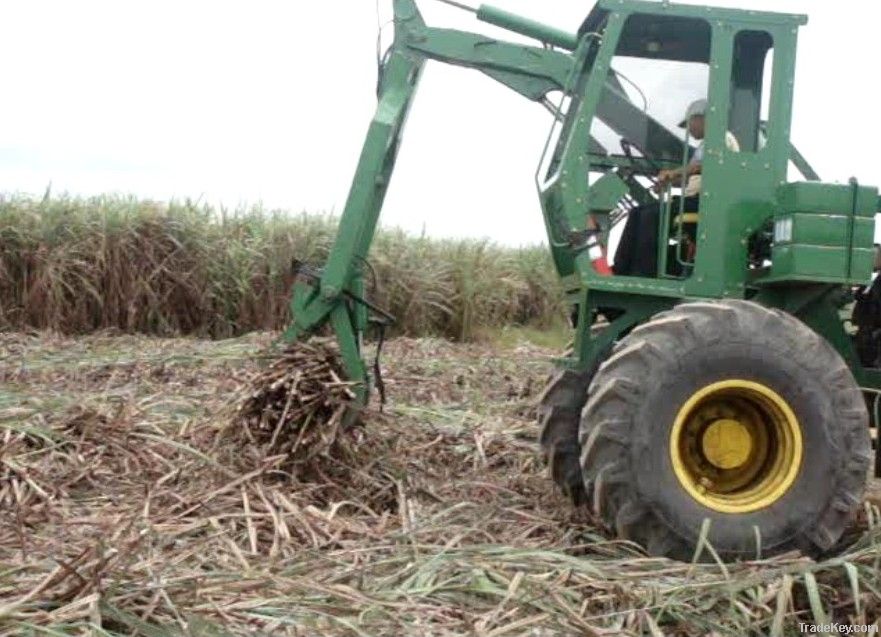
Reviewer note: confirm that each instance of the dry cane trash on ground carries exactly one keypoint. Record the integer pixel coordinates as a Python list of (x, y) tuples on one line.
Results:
[(159, 487)]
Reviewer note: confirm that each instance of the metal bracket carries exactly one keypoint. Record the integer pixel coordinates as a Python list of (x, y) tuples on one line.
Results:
[(312, 275)]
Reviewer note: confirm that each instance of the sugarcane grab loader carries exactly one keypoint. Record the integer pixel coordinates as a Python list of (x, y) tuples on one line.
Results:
[(725, 402)]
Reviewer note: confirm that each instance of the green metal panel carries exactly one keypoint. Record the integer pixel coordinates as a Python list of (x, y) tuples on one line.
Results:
[(812, 244), (813, 196), (821, 263), (826, 230), (606, 193), (628, 285), (716, 14), (590, 344), (739, 187)]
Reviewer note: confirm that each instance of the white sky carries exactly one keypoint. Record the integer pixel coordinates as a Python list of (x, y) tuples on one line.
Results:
[(268, 101)]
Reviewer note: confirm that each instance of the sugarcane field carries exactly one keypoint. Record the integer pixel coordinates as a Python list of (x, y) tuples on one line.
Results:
[(199, 486), (593, 349)]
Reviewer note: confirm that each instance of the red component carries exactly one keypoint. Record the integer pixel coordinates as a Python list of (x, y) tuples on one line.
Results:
[(602, 266), (598, 256)]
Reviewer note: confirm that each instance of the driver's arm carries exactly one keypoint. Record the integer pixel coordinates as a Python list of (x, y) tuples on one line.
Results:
[(676, 174)]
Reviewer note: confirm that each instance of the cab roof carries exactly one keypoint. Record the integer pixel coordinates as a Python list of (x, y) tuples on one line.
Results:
[(683, 28), (603, 7)]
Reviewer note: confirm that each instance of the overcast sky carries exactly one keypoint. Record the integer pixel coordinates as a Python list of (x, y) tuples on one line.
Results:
[(268, 101)]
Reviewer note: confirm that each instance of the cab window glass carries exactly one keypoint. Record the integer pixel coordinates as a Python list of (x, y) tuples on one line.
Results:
[(661, 65), (751, 76)]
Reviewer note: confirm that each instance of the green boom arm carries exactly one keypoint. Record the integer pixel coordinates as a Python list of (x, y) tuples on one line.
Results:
[(531, 71)]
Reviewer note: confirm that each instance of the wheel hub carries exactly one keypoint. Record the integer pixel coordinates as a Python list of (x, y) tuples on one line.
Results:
[(736, 446), (727, 443)]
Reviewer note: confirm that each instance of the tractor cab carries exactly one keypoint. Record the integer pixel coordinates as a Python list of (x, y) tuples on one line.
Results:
[(642, 64)]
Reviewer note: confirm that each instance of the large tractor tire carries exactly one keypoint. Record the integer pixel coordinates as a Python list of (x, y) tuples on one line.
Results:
[(559, 417), (731, 417)]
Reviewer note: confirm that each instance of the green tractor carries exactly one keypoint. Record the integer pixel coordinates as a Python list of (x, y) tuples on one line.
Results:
[(725, 400)]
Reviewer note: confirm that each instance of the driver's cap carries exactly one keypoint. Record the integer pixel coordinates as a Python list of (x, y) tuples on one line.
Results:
[(698, 107)]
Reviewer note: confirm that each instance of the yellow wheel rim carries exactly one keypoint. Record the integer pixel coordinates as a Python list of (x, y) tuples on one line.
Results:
[(736, 446)]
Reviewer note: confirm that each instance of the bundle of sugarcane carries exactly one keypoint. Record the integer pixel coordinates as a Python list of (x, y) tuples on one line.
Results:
[(297, 405)]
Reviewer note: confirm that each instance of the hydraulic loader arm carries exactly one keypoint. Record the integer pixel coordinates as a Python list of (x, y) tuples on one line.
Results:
[(335, 294)]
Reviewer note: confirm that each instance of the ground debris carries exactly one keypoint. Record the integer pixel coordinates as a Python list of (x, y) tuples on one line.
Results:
[(157, 487)]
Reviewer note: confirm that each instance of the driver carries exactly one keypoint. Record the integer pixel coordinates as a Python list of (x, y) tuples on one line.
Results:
[(637, 253)]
